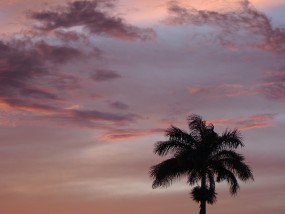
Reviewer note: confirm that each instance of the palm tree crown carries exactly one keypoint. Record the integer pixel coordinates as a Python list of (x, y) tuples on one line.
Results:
[(202, 155)]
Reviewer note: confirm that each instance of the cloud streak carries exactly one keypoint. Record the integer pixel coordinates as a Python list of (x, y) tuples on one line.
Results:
[(228, 90), (119, 105), (274, 86), (102, 75), (246, 123), (126, 134)]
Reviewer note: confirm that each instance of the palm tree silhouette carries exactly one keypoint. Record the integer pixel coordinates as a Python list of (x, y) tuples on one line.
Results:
[(203, 156)]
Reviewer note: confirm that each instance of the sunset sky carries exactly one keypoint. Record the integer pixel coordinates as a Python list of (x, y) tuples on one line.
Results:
[(88, 87)]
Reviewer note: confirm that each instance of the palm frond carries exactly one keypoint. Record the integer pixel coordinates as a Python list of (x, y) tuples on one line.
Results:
[(225, 174), (239, 168), (200, 131), (230, 139), (194, 176), (162, 148), (221, 154), (178, 141), (231, 179), (196, 125), (167, 171), (234, 162), (175, 133), (196, 122), (179, 135)]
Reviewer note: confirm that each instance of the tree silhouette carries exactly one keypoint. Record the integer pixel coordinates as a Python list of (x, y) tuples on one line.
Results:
[(203, 156)]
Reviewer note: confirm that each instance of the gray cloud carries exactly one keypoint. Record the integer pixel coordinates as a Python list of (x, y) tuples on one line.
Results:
[(23, 104), (65, 81), (275, 76), (24, 63), (246, 20), (86, 118), (105, 75), (33, 78), (57, 54), (274, 85), (55, 113), (93, 17), (26, 67), (71, 36), (119, 105), (19, 63), (38, 93), (103, 116)]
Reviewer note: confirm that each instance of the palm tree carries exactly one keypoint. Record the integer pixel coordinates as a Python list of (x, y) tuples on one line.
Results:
[(203, 156)]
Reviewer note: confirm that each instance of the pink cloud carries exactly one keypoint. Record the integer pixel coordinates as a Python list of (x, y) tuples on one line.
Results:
[(246, 123), (274, 84), (92, 16), (125, 134), (245, 26), (272, 88), (229, 90), (275, 91)]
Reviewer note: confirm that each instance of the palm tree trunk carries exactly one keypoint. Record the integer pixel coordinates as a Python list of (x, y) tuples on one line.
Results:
[(203, 202), (203, 207)]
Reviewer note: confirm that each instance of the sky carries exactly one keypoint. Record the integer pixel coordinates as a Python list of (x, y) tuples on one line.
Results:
[(87, 88)]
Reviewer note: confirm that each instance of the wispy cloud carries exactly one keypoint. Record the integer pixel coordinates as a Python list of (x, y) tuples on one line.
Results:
[(125, 134), (18, 104), (32, 81), (246, 123), (105, 116), (57, 114), (101, 75), (57, 54), (119, 105), (228, 90), (244, 26), (274, 86), (22, 63), (93, 16)]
